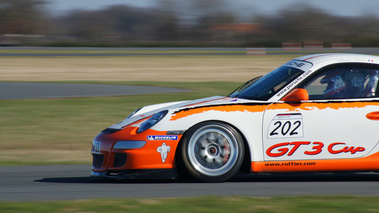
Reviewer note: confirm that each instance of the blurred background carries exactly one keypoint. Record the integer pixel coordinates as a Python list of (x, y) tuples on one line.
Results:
[(195, 23)]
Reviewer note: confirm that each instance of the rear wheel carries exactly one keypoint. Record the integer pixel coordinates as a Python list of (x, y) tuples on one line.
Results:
[(212, 151)]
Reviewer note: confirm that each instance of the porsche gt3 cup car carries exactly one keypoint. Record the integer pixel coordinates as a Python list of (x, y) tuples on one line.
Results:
[(316, 113)]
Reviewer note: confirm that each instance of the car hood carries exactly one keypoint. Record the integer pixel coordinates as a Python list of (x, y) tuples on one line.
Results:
[(150, 110)]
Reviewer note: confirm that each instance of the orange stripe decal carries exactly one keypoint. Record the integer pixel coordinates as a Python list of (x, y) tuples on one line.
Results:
[(223, 108), (320, 106), (373, 116)]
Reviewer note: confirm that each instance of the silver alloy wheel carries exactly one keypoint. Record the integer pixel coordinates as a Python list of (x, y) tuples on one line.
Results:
[(213, 150)]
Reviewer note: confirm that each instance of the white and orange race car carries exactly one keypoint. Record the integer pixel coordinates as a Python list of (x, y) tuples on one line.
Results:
[(316, 113)]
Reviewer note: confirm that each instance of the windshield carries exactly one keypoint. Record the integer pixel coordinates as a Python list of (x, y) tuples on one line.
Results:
[(265, 87)]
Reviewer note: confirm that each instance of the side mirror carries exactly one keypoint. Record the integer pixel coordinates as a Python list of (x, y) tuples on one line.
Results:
[(296, 95)]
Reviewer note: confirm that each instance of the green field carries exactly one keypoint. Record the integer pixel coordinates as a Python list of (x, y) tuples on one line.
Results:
[(60, 131), (336, 204)]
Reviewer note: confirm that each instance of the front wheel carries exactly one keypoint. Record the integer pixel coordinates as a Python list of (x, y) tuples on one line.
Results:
[(212, 151)]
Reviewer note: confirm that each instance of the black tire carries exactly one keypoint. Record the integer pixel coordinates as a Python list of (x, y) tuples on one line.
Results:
[(212, 151)]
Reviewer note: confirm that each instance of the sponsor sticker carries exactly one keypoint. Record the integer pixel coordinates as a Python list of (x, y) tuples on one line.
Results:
[(163, 150), (286, 126), (302, 65), (229, 99), (311, 148), (162, 137)]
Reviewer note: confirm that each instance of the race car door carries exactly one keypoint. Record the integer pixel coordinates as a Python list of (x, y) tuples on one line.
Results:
[(335, 129)]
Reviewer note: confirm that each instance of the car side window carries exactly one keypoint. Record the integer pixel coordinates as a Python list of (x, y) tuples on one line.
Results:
[(344, 83)]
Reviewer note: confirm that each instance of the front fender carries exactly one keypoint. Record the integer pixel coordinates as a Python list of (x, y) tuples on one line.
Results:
[(246, 119)]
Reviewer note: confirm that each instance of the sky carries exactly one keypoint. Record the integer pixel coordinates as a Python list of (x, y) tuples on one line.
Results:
[(267, 7)]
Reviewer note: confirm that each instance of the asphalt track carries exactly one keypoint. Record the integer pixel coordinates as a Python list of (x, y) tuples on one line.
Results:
[(72, 182)]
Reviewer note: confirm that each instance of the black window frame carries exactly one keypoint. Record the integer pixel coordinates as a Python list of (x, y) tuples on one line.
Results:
[(323, 70)]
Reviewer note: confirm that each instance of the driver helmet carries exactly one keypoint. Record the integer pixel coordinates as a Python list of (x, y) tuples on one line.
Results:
[(335, 84), (344, 83)]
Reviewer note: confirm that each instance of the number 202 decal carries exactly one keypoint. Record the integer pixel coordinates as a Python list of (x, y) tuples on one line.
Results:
[(286, 126)]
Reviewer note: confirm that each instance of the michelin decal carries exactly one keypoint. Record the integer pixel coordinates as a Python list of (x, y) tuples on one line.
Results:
[(162, 137)]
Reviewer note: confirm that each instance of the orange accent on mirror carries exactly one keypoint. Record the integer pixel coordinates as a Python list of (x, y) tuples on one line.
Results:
[(296, 95)]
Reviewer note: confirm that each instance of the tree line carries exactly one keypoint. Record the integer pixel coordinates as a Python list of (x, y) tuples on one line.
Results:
[(180, 23)]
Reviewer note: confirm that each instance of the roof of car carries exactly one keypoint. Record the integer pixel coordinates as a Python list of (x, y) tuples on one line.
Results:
[(340, 57)]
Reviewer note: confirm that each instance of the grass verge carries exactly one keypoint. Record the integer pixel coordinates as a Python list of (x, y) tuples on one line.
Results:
[(309, 204), (60, 131)]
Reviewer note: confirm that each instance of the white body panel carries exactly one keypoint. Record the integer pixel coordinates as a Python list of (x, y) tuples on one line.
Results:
[(327, 131)]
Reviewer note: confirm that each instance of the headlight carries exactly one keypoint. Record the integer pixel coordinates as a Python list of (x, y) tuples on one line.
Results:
[(152, 121)]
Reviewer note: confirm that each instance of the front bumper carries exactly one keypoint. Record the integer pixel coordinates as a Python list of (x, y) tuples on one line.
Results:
[(125, 154), (137, 174)]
